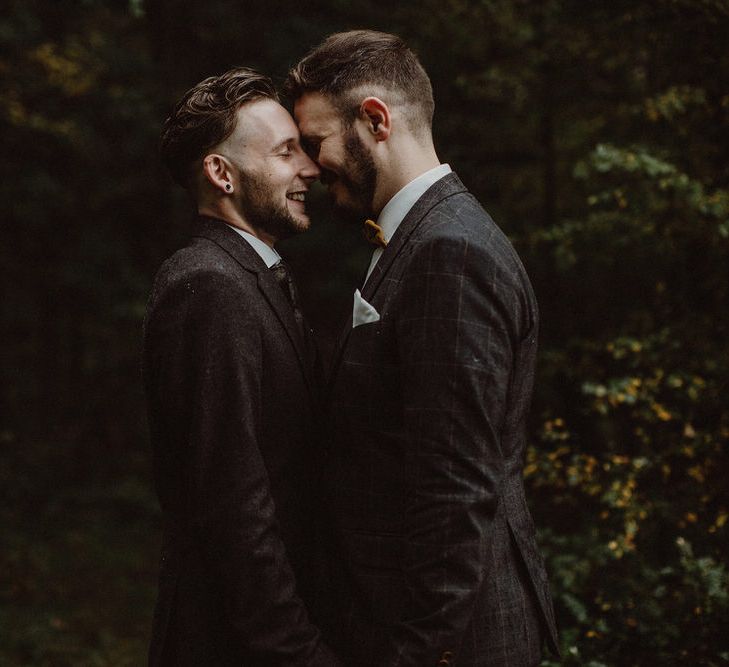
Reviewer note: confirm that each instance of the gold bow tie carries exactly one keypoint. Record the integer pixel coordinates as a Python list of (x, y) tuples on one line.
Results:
[(373, 233)]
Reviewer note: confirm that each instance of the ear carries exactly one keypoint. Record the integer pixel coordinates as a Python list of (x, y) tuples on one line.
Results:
[(377, 116), (218, 172)]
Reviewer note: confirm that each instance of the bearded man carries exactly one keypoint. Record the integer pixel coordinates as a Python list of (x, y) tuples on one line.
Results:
[(228, 368), (430, 387)]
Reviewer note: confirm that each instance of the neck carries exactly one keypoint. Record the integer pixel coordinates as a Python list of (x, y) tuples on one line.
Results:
[(403, 164), (226, 211)]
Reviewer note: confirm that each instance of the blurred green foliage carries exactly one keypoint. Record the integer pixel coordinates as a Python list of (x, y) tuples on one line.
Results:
[(596, 134)]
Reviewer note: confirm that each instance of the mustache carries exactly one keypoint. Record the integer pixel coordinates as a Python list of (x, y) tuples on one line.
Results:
[(328, 177)]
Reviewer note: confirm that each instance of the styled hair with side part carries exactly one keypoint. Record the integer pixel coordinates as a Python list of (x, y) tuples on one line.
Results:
[(206, 115), (354, 61)]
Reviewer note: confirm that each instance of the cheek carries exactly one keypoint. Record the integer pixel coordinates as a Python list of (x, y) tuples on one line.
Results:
[(282, 177)]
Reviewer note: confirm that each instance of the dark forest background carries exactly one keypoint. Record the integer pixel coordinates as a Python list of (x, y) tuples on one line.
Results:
[(597, 136)]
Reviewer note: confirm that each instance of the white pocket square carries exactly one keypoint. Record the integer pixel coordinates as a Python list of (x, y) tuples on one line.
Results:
[(362, 312)]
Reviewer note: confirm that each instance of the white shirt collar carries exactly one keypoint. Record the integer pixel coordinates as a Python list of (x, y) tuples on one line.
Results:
[(266, 252), (397, 208)]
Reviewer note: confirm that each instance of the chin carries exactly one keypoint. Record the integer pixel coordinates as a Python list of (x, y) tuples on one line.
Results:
[(300, 224), (294, 222), (342, 201)]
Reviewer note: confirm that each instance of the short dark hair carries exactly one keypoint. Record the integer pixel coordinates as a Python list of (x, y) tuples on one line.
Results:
[(206, 115), (346, 61)]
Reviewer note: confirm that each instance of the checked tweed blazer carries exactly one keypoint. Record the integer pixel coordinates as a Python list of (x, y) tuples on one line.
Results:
[(425, 459), (231, 395)]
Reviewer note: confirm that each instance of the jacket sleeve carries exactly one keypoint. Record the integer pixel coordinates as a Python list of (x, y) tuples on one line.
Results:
[(455, 329), (232, 510)]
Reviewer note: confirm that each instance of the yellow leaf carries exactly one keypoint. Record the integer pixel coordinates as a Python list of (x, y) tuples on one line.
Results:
[(661, 412)]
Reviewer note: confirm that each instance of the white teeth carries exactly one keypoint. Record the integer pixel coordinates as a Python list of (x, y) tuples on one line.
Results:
[(296, 196)]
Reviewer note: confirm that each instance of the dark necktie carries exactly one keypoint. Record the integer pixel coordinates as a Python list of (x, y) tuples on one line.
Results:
[(283, 277)]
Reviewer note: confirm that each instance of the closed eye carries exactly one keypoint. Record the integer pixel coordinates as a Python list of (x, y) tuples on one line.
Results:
[(285, 149), (311, 146)]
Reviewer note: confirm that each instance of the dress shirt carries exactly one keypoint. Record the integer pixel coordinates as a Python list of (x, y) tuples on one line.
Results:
[(265, 251), (397, 208)]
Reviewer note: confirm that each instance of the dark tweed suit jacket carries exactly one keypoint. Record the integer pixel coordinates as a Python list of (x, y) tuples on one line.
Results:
[(231, 400), (425, 460)]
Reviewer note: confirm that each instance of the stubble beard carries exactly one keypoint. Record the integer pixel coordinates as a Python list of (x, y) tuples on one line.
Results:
[(359, 178), (263, 212)]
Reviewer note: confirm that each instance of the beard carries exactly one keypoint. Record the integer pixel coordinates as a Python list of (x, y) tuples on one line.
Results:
[(263, 210), (358, 177)]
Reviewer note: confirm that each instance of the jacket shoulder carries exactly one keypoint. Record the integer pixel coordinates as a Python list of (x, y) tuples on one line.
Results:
[(203, 264), (201, 256), (199, 276), (459, 236), (461, 220)]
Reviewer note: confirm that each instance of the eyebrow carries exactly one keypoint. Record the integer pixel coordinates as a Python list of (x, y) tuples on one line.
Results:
[(285, 142)]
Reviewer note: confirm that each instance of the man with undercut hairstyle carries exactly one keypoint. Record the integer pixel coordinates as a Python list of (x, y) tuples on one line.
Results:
[(231, 392), (430, 385)]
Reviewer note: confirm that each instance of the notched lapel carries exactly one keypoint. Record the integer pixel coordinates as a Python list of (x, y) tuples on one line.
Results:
[(281, 306), (233, 243), (241, 251), (339, 349), (447, 186)]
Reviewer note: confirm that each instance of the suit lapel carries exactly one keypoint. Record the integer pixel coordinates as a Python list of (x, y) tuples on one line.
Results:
[(280, 305), (447, 186), (339, 349), (241, 251)]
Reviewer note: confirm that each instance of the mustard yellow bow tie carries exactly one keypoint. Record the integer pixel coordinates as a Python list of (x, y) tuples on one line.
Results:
[(373, 233)]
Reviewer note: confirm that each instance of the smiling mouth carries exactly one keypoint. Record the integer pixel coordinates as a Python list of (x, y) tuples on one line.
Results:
[(296, 196)]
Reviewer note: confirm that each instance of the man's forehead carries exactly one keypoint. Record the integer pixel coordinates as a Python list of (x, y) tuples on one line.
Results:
[(265, 121), (315, 113)]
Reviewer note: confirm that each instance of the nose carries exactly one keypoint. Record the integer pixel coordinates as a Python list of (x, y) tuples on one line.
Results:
[(309, 169)]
